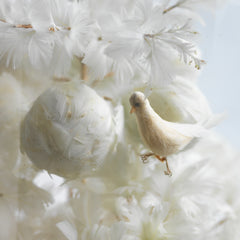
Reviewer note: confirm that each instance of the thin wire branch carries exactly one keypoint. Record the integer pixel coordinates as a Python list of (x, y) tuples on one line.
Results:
[(26, 26), (84, 72), (23, 26), (173, 6), (61, 79)]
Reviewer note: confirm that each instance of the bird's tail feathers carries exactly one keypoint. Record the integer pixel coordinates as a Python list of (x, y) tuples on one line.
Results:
[(213, 121)]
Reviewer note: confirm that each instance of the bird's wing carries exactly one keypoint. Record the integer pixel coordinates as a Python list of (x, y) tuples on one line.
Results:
[(188, 130), (190, 145)]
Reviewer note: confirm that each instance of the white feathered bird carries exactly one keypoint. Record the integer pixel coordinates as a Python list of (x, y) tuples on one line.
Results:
[(162, 137)]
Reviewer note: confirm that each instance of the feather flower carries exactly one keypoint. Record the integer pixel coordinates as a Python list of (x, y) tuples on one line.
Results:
[(45, 40), (146, 40)]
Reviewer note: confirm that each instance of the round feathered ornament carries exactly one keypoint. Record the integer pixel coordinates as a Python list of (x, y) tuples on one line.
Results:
[(69, 130)]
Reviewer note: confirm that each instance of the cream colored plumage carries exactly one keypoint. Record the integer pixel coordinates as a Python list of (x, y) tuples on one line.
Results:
[(162, 137)]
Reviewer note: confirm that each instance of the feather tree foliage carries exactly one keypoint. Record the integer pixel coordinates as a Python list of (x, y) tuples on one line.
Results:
[(131, 44), (67, 69), (47, 38)]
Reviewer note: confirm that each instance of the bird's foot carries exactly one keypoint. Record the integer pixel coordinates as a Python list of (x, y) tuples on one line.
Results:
[(168, 173), (145, 156), (164, 159)]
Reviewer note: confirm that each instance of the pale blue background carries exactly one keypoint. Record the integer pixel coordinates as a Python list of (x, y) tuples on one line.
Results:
[(220, 81)]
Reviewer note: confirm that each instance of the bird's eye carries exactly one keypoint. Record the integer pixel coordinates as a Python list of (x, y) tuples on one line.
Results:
[(136, 104)]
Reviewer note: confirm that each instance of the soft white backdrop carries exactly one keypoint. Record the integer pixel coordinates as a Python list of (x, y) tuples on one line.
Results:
[(220, 81)]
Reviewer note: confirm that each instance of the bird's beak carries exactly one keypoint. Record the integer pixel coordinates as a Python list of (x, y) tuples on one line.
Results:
[(133, 109)]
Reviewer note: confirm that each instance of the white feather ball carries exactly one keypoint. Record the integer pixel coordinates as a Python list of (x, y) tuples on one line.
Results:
[(69, 130)]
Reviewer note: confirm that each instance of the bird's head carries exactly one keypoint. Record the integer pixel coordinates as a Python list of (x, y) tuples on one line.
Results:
[(137, 101)]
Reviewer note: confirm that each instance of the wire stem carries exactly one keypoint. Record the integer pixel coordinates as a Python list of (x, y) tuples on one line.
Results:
[(171, 7), (84, 72), (23, 26)]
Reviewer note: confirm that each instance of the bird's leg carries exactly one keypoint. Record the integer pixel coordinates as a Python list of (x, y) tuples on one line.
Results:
[(145, 156), (168, 172), (164, 159)]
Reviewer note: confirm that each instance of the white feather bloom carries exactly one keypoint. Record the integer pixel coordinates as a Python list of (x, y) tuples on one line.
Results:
[(98, 63), (145, 204), (144, 39), (72, 130), (69, 130), (49, 39)]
